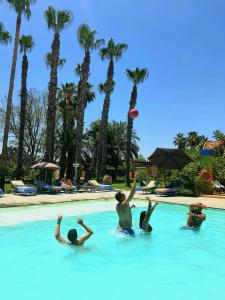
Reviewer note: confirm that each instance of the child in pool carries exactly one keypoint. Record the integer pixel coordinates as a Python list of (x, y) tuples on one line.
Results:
[(72, 234), (145, 216), (196, 217)]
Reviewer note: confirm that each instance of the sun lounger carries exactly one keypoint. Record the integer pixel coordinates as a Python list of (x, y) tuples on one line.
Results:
[(167, 191), (22, 189), (94, 186), (138, 188), (67, 186), (91, 186), (149, 187), (105, 187), (218, 187), (44, 187)]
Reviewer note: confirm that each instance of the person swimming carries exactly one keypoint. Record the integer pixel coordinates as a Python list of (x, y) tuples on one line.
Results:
[(145, 216), (195, 216), (72, 234)]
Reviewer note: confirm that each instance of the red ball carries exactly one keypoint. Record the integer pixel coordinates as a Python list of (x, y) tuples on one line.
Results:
[(133, 113)]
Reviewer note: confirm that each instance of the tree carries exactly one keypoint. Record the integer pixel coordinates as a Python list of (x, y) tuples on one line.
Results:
[(87, 41), (116, 145), (57, 21), (112, 53), (180, 140), (5, 36), (136, 76), (193, 139), (21, 7), (218, 135), (34, 134), (26, 45), (67, 96)]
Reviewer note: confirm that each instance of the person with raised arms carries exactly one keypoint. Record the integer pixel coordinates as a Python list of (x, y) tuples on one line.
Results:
[(123, 209), (146, 215), (72, 234)]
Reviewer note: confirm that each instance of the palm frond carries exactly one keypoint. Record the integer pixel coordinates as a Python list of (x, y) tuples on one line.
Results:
[(112, 51), (98, 43), (64, 19), (86, 38), (22, 6), (48, 60), (101, 88), (5, 36), (137, 76), (50, 17), (26, 43), (78, 70)]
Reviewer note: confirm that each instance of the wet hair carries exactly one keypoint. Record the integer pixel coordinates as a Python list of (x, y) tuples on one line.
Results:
[(197, 211), (141, 219), (119, 196), (72, 235)]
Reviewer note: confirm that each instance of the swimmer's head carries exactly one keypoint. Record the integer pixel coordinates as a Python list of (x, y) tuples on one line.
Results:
[(141, 219), (120, 196), (72, 236), (197, 211)]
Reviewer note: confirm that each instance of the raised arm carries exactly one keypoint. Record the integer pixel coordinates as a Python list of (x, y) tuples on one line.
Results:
[(87, 235), (132, 192), (149, 211), (59, 238)]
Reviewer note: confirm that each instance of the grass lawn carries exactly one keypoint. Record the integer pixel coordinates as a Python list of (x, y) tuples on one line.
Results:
[(121, 186)]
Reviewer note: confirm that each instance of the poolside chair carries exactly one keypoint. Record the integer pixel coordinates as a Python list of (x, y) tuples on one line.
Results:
[(218, 187), (67, 186), (170, 190), (43, 187), (150, 187), (20, 188), (93, 185)]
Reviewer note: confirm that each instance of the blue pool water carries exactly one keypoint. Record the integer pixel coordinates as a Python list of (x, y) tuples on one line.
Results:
[(168, 264)]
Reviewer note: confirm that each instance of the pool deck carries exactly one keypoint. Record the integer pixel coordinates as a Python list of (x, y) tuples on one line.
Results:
[(11, 200)]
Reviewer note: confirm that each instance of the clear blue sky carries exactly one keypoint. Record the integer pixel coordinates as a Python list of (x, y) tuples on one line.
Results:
[(181, 42)]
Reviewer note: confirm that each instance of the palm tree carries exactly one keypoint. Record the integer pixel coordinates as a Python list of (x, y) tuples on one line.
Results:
[(26, 45), (193, 139), (136, 76), (5, 36), (90, 95), (180, 140), (87, 41), (57, 21), (21, 7), (116, 145), (112, 53), (67, 95)]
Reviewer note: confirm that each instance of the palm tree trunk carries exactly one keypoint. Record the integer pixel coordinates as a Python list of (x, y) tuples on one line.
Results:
[(10, 92), (23, 104), (70, 169), (102, 145), (82, 103), (63, 158), (129, 133), (51, 111)]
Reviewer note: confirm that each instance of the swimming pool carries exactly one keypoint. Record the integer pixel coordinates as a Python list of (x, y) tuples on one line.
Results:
[(170, 263)]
